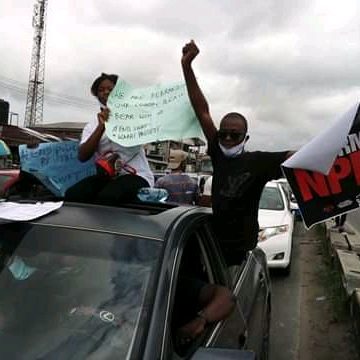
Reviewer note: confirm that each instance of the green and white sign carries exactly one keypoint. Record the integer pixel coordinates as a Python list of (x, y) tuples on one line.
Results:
[(155, 113)]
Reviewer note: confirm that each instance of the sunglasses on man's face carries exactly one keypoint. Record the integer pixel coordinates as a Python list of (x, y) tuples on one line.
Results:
[(233, 135)]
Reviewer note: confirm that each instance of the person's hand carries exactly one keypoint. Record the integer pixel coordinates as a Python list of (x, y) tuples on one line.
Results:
[(190, 51), (191, 330), (103, 116)]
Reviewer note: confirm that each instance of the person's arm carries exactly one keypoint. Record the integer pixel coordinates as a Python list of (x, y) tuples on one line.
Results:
[(197, 98), (217, 303), (89, 147)]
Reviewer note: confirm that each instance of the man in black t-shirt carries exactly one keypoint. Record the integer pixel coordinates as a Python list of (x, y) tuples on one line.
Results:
[(239, 176)]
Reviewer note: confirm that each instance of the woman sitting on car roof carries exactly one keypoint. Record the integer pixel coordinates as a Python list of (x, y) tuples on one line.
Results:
[(122, 171)]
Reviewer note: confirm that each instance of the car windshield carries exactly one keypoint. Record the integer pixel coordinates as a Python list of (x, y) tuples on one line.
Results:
[(72, 294), (271, 199)]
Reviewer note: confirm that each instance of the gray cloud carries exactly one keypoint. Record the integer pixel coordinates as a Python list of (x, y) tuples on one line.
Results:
[(289, 65)]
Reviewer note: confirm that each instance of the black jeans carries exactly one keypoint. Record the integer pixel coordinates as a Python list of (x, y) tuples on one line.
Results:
[(104, 190)]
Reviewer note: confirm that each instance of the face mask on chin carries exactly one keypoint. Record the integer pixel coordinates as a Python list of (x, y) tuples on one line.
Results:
[(233, 151)]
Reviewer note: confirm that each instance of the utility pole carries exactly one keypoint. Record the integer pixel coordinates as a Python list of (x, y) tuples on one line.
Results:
[(35, 94)]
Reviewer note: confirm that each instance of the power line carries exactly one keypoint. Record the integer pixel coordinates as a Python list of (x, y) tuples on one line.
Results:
[(51, 96)]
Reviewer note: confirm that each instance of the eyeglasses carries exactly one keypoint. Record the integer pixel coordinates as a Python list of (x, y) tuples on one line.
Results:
[(233, 135)]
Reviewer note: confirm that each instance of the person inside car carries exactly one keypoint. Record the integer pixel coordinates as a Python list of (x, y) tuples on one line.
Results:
[(198, 304), (239, 176), (122, 171)]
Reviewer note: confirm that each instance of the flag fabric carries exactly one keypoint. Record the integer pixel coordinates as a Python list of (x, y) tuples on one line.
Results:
[(325, 174), (56, 165)]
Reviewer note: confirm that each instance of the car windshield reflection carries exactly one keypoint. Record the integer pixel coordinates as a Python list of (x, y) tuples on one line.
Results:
[(77, 294), (271, 199)]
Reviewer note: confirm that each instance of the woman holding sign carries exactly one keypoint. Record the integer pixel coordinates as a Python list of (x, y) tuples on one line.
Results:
[(122, 171)]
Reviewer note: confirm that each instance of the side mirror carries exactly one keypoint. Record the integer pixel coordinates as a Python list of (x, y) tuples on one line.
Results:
[(294, 206), (223, 354)]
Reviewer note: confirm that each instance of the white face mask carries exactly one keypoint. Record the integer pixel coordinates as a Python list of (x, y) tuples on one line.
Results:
[(233, 151)]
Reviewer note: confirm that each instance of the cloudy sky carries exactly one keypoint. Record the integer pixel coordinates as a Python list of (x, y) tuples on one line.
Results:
[(290, 66)]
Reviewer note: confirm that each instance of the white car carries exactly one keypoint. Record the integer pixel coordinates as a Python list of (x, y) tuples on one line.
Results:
[(294, 207), (276, 221)]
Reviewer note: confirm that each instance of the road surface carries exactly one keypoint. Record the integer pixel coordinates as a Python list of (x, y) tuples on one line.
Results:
[(353, 219), (285, 325)]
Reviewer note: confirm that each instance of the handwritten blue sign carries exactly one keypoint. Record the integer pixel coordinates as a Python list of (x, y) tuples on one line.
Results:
[(56, 165)]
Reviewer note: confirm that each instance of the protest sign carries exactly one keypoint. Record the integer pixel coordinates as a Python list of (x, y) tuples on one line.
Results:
[(25, 212), (325, 174), (4, 149), (56, 165), (144, 115)]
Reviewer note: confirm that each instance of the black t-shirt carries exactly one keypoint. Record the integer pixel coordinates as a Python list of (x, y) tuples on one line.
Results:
[(236, 189)]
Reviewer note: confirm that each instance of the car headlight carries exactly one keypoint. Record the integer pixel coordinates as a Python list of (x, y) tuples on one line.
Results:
[(268, 232)]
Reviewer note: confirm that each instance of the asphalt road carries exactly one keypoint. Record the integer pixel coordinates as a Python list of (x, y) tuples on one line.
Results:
[(286, 297), (285, 322)]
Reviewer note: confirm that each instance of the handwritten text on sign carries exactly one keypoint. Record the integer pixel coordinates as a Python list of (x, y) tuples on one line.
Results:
[(56, 165), (156, 113)]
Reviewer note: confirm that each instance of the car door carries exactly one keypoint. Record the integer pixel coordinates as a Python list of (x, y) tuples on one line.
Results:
[(231, 332), (199, 256), (250, 285), (253, 295)]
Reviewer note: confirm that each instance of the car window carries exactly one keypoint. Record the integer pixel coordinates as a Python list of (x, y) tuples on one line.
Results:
[(194, 272), (195, 261), (271, 199), (68, 293)]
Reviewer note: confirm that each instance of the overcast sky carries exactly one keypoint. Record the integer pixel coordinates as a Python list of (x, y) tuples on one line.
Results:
[(290, 66)]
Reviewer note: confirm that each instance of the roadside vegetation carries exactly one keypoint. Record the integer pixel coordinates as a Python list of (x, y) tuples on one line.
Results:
[(330, 278)]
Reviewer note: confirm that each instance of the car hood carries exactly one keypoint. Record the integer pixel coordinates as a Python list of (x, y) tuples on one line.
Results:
[(268, 218)]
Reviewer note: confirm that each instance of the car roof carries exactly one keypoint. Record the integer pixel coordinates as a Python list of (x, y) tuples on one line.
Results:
[(147, 221), (272, 184)]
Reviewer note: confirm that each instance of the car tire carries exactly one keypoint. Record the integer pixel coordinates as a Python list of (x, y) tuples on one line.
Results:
[(265, 351)]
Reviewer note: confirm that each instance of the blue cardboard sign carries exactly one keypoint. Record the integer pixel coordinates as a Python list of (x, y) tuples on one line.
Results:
[(56, 165)]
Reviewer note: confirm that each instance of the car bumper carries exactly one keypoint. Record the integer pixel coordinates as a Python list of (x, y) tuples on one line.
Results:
[(277, 250)]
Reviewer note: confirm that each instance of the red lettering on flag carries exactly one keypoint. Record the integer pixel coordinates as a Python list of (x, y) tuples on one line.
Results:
[(309, 184), (340, 170)]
